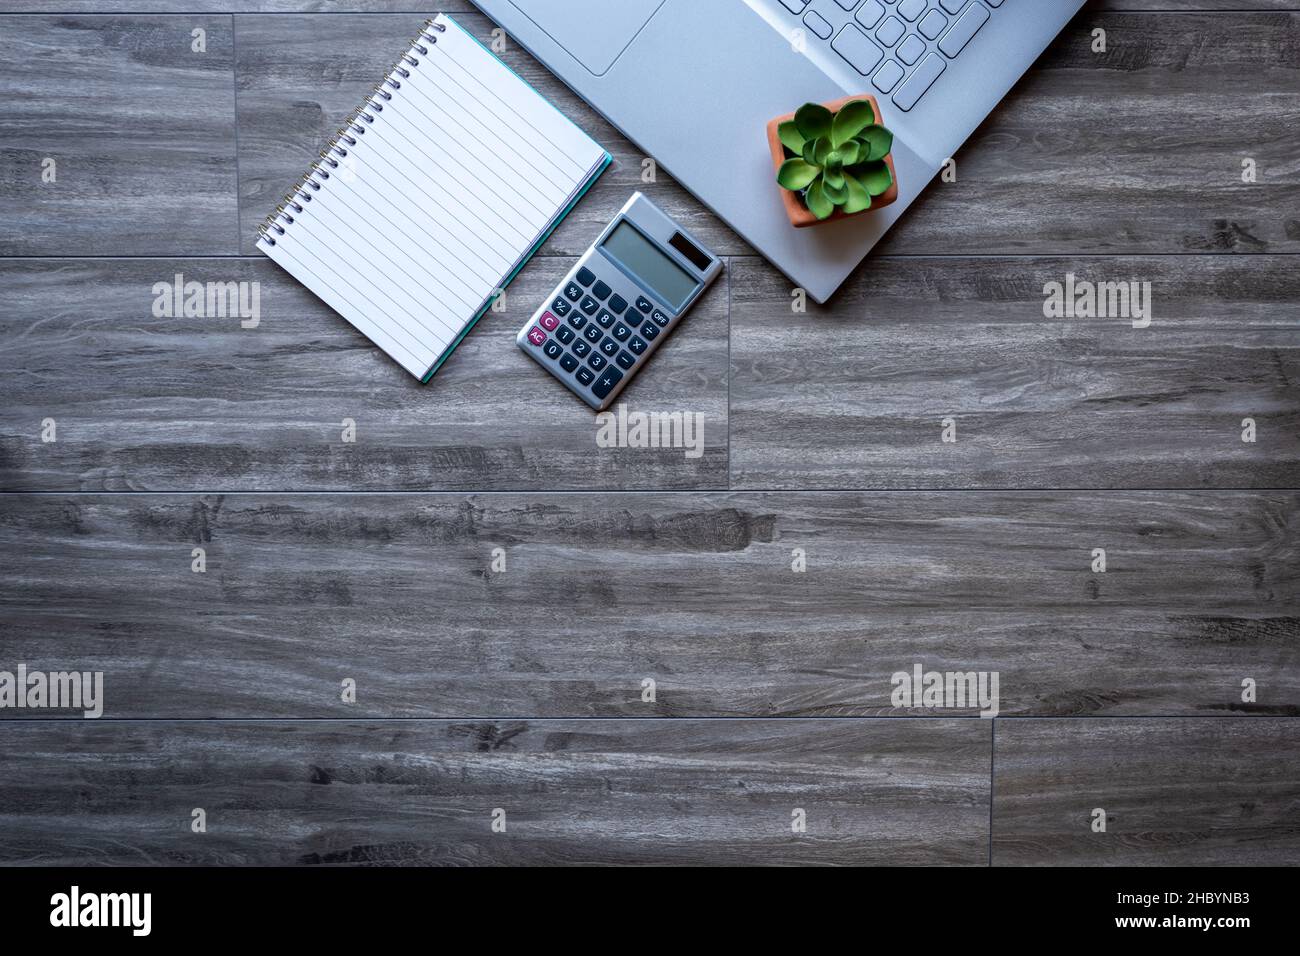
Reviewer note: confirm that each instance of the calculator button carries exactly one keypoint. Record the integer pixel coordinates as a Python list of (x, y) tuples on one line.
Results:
[(592, 333), (549, 322), (625, 359), (561, 307), (636, 345), (565, 334), (661, 317), (586, 276), (609, 347), (621, 332), (572, 292), (588, 305), (601, 291), (617, 304), (597, 361), (644, 304), (649, 331), (577, 320), (536, 335), (568, 362), (605, 384), (581, 348), (553, 349), (606, 318), (586, 376)]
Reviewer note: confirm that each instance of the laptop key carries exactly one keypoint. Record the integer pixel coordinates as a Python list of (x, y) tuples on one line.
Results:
[(891, 31), (870, 13), (847, 4), (954, 6), (857, 49), (911, 9), (932, 24), (794, 6), (887, 76), (955, 40), (910, 50), (818, 25), (922, 78)]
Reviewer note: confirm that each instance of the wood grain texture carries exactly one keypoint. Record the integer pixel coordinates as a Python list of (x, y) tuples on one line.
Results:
[(854, 394), (301, 77), (459, 6), (145, 403), (693, 591), (423, 792), (141, 129), (1176, 792), (1039, 176)]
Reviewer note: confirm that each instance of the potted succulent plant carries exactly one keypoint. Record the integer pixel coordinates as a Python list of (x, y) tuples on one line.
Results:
[(833, 160)]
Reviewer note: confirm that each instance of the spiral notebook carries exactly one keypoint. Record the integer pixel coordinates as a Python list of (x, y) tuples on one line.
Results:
[(432, 197)]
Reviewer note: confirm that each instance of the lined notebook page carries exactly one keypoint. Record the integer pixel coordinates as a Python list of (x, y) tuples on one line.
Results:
[(442, 197)]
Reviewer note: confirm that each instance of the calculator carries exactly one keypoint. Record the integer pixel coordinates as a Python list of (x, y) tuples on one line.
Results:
[(630, 289)]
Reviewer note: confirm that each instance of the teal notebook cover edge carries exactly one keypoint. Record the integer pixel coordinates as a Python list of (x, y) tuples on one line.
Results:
[(604, 165)]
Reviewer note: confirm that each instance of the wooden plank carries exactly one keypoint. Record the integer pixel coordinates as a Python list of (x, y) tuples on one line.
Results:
[(301, 77), (148, 403), (854, 395), (424, 792), (695, 592), (462, 6), (140, 128), (1038, 176), (1175, 792)]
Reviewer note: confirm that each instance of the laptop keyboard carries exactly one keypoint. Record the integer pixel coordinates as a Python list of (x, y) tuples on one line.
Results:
[(902, 45)]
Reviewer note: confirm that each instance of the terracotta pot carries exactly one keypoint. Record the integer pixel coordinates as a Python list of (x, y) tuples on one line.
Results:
[(800, 215)]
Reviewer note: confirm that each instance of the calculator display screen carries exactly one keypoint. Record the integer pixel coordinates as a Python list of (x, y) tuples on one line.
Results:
[(665, 278)]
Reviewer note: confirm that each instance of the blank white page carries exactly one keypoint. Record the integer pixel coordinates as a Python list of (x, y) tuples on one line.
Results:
[(432, 197)]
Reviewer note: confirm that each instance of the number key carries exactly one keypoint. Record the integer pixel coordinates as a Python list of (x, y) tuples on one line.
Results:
[(597, 361), (593, 333), (581, 348), (588, 305), (609, 347)]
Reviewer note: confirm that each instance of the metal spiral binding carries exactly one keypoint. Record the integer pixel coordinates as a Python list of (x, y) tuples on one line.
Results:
[(357, 122)]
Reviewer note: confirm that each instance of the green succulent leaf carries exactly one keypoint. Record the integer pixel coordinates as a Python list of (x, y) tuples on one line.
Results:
[(875, 176), (809, 151), (836, 194), (858, 198), (851, 120), (822, 151), (880, 140), (818, 204), (790, 137), (813, 121), (796, 174), (834, 179)]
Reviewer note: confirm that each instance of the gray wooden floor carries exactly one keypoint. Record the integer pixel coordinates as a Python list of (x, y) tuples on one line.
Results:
[(520, 693)]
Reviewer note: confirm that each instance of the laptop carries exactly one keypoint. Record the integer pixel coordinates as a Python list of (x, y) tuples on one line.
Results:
[(694, 82)]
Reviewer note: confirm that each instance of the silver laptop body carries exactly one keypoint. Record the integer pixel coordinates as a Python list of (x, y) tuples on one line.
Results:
[(694, 82)]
